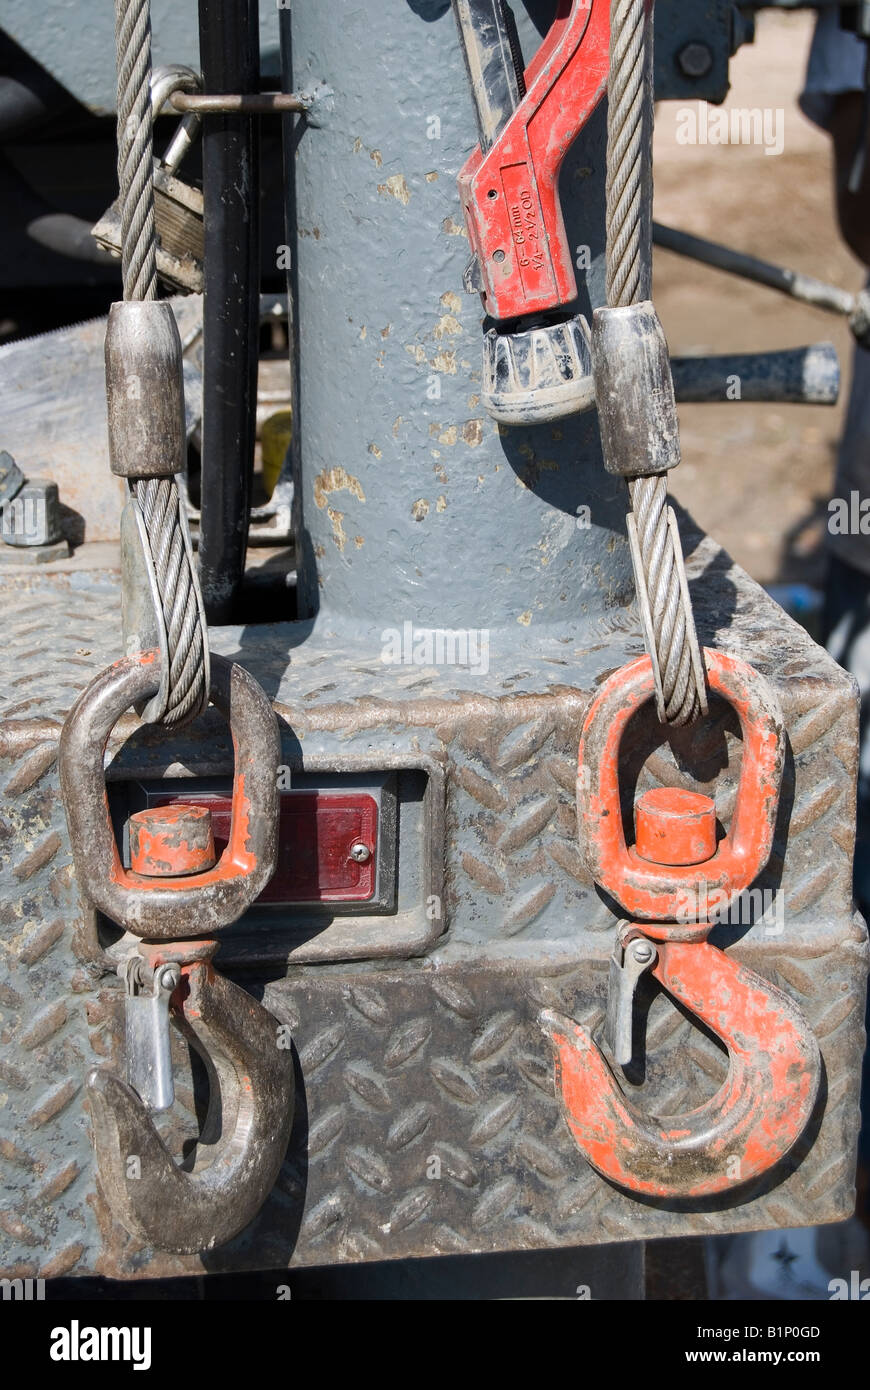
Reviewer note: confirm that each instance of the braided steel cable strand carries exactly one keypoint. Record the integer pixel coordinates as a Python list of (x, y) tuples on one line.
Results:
[(157, 498), (673, 632), (628, 162), (625, 151), (161, 504), (135, 149)]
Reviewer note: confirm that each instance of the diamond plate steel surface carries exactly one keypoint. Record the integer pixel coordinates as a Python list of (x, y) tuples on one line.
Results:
[(54, 641), (427, 1121)]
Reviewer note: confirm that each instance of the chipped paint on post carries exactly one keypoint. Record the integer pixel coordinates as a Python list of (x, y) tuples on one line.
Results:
[(393, 251)]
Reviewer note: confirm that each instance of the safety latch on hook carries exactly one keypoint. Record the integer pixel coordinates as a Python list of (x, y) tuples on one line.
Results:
[(633, 955)]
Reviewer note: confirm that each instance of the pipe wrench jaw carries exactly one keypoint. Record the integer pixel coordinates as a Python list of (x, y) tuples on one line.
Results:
[(510, 193), (536, 360)]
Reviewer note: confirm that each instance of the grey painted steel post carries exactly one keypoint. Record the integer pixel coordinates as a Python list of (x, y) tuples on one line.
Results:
[(414, 505)]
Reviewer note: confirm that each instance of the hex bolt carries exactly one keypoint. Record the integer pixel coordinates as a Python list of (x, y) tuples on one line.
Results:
[(360, 852), (695, 59), (11, 478), (32, 517)]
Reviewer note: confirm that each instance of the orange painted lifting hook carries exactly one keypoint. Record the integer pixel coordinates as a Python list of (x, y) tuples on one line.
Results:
[(774, 1068)]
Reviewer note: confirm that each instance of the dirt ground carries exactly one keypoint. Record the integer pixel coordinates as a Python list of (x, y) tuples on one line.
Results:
[(757, 477)]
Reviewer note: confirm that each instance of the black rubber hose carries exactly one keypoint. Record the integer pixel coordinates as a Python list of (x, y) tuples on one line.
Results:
[(70, 236), (29, 96), (61, 232), (230, 61), (21, 107)]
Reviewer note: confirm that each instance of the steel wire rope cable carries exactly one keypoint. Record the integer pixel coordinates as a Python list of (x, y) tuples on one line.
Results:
[(629, 156), (157, 498)]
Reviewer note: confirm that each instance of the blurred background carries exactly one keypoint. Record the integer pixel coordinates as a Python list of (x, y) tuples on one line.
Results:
[(757, 477)]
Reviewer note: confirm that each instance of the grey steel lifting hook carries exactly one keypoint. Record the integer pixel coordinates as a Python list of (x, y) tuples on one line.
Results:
[(215, 1193), (179, 893)]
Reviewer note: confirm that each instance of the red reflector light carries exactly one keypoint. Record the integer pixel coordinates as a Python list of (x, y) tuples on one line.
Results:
[(316, 833)]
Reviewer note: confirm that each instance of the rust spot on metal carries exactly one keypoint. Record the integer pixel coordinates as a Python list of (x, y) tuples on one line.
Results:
[(444, 362), (448, 326), (396, 187), (338, 535), (331, 480)]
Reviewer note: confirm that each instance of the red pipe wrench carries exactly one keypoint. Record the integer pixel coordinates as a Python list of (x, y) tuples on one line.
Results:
[(510, 194)]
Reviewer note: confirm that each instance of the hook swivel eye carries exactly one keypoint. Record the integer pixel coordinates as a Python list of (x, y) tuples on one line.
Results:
[(192, 903)]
